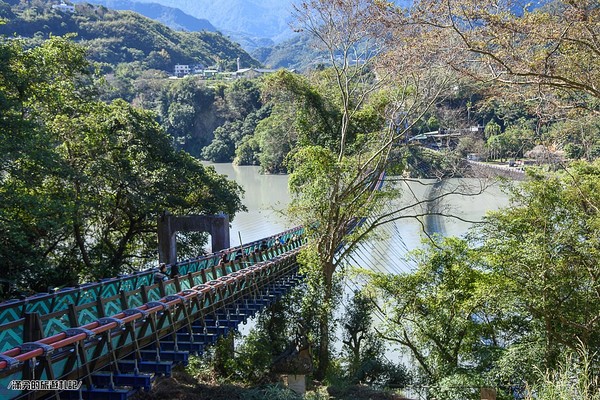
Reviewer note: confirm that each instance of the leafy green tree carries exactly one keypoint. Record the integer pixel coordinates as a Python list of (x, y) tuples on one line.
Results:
[(275, 142), (83, 182), (577, 136), (334, 170), (359, 341), (35, 85), (233, 134), (120, 84), (181, 120), (242, 98), (125, 173), (190, 112), (574, 151), (496, 146), (158, 60), (520, 138), (364, 350), (222, 148), (439, 310), (470, 144), (247, 152), (543, 249), (149, 88), (299, 115), (513, 142), (453, 315), (491, 129)]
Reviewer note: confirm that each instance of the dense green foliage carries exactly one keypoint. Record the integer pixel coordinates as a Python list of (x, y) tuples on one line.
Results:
[(113, 37), (514, 299), (545, 247), (244, 111), (83, 182), (364, 359), (275, 336), (85, 174), (193, 111), (437, 313)]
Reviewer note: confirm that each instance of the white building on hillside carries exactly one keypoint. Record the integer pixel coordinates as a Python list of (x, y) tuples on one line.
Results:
[(182, 70), (63, 7)]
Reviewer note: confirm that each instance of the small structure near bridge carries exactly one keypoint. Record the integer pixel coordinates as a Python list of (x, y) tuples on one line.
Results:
[(295, 362)]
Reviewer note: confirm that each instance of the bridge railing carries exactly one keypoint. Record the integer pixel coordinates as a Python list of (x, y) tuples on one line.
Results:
[(92, 335), (78, 306)]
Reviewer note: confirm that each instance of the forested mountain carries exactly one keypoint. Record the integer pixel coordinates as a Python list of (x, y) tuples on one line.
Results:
[(114, 37), (254, 22), (172, 17), (296, 53)]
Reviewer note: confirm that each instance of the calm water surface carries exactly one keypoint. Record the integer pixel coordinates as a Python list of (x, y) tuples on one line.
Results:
[(267, 196)]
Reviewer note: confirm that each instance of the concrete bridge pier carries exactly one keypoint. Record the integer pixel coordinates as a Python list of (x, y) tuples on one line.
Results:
[(168, 225)]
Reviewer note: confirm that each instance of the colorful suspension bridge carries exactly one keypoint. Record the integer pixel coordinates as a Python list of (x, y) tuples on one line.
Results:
[(109, 339)]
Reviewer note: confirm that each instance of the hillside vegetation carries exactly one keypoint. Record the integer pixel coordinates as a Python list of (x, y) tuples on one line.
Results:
[(114, 37)]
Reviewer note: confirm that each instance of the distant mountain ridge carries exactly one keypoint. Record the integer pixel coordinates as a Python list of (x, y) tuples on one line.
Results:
[(297, 53), (115, 37), (174, 18), (252, 23)]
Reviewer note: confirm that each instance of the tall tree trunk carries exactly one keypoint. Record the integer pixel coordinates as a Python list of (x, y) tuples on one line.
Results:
[(324, 321), (323, 346)]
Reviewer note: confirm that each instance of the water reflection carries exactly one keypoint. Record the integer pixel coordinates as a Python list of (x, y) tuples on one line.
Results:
[(427, 208), (267, 196)]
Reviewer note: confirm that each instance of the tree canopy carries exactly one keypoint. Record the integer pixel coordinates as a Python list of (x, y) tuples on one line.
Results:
[(83, 182), (547, 48), (515, 297)]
